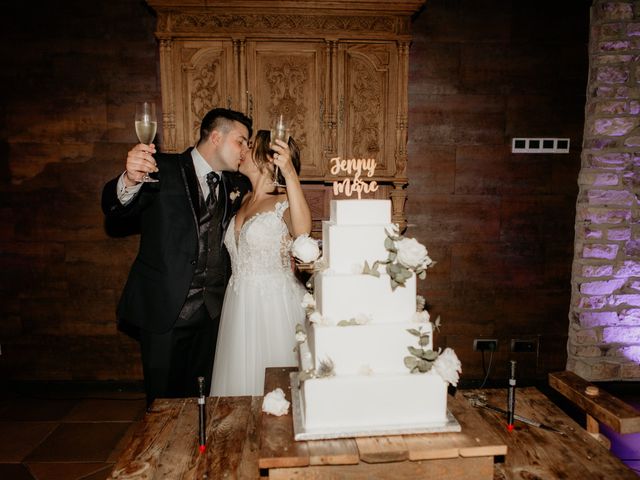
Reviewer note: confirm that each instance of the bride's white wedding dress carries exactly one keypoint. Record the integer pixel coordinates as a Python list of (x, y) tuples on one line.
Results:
[(262, 305)]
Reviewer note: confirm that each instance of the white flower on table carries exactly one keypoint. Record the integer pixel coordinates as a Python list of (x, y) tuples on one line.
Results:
[(305, 248), (448, 366), (275, 403)]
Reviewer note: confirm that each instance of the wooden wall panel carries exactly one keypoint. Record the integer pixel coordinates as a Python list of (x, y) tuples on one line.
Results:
[(500, 226)]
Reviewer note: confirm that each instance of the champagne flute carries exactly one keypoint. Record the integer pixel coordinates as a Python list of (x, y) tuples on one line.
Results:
[(279, 131), (146, 126)]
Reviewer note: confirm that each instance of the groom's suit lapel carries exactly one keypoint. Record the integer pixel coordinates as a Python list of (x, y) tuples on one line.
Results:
[(223, 196), (193, 191), (190, 181)]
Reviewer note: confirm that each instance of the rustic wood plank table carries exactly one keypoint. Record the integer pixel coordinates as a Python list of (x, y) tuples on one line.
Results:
[(242, 442), (537, 454)]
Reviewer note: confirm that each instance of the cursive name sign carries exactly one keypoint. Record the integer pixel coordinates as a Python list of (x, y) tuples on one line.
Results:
[(355, 167)]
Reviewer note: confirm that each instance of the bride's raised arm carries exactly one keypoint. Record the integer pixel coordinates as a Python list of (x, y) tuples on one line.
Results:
[(298, 216)]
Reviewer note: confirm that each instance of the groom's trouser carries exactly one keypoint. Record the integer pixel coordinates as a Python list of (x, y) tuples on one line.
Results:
[(173, 361)]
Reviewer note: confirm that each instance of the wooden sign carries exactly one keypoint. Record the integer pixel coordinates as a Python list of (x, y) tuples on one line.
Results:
[(355, 167)]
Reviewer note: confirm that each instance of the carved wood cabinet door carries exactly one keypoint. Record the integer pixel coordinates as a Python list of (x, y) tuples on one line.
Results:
[(368, 104), (206, 78), (288, 78)]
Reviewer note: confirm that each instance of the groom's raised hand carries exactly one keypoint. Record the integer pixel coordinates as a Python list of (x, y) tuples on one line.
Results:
[(139, 162)]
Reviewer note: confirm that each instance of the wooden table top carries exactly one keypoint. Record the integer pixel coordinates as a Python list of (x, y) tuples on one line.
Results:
[(166, 443), (535, 453)]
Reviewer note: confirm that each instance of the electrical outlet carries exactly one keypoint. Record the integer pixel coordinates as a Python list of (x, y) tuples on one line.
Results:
[(485, 345), (523, 345)]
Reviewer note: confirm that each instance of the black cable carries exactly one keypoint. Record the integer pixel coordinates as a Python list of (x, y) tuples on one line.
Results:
[(488, 371)]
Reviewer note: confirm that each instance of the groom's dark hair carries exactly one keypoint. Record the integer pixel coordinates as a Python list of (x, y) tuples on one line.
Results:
[(221, 119)]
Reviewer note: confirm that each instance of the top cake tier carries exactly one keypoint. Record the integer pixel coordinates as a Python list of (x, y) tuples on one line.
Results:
[(361, 212), (355, 234)]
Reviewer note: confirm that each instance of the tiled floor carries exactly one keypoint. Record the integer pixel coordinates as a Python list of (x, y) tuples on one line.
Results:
[(76, 432), (65, 433)]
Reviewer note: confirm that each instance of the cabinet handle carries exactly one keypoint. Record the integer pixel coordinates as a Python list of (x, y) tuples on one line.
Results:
[(250, 115), (229, 102), (341, 110)]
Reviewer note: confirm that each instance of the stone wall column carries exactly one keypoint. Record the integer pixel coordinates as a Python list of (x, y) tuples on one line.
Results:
[(604, 332)]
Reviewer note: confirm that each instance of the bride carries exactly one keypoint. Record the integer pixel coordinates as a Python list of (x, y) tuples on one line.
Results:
[(262, 304)]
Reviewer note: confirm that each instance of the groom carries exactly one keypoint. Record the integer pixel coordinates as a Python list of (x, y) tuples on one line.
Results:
[(177, 282)]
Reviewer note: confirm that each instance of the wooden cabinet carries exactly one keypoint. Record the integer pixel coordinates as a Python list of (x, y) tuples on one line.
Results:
[(289, 78), (337, 70), (368, 104), (201, 76)]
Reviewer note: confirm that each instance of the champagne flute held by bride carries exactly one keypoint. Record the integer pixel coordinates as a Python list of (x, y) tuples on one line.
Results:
[(146, 125), (279, 131)]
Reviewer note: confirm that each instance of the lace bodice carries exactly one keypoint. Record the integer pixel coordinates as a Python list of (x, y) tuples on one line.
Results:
[(261, 246)]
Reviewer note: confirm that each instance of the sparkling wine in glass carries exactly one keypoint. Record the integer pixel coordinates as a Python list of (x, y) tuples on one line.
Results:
[(279, 131), (146, 126)]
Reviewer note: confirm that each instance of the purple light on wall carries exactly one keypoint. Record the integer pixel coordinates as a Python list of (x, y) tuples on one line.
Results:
[(632, 353), (601, 287), (623, 335), (625, 447), (605, 341)]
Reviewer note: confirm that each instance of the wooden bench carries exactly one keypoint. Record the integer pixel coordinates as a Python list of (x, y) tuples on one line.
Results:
[(244, 443), (598, 405)]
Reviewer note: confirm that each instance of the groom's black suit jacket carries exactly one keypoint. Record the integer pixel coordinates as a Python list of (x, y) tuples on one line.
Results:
[(167, 215)]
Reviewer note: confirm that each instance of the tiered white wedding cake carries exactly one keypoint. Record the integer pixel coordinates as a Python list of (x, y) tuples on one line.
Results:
[(366, 360)]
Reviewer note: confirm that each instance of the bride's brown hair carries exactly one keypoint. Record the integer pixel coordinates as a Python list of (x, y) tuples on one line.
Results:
[(262, 152)]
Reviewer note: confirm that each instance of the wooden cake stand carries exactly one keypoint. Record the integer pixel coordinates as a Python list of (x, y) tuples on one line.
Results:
[(468, 454)]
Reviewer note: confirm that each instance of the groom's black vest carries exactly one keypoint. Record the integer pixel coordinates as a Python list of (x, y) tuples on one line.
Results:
[(212, 265)]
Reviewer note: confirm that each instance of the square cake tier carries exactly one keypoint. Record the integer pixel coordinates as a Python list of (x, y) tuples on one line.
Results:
[(346, 296), (345, 248), (364, 349), (352, 402), (360, 212)]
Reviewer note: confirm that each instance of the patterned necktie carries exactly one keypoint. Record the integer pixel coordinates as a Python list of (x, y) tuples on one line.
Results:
[(212, 180)]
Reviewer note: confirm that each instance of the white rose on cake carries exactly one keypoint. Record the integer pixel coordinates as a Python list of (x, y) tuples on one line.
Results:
[(308, 301), (448, 366), (421, 302), (275, 403), (412, 254), (316, 317), (421, 317), (392, 230), (305, 248)]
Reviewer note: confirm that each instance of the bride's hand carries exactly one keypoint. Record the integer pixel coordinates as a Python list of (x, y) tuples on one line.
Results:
[(282, 158)]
